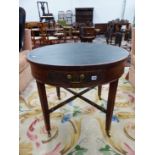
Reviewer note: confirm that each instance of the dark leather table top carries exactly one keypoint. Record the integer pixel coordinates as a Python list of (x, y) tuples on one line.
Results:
[(77, 54)]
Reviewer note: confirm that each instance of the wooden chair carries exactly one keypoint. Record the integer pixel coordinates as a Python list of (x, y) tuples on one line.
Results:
[(44, 13), (35, 28), (114, 31), (87, 34), (67, 30), (47, 37), (69, 34), (43, 33), (109, 32), (118, 38), (128, 32), (118, 34), (76, 34), (59, 33)]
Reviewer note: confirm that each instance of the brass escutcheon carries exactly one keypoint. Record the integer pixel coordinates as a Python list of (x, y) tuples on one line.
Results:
[(82, 76), (69, 77)]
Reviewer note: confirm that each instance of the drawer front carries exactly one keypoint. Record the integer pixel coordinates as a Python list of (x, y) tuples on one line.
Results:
[(75, 79)]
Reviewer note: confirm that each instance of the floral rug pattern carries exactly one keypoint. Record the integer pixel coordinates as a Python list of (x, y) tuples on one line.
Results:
[(77, 128)]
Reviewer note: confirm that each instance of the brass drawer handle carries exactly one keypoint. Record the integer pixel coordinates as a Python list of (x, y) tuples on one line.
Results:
[(69, 77), (82, 76), (75, 80)]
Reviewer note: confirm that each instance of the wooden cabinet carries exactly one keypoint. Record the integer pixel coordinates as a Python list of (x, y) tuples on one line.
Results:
[(84, 16)]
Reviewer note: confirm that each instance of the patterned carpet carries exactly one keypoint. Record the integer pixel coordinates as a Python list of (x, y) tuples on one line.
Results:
[(77, 128)]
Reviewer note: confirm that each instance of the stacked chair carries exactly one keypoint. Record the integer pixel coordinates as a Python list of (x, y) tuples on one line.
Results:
[(44, 13)]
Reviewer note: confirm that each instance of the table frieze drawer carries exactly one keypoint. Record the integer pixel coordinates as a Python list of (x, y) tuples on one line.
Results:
[(75, 77)]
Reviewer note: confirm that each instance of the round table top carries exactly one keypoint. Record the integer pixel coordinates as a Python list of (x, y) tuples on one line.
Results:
[(77, 54)]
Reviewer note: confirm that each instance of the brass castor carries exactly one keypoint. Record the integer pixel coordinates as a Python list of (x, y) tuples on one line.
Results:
[(108, 133), (49, 134)]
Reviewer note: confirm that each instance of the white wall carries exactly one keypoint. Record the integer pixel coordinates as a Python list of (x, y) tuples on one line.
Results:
[(104, 10), (130, 10)]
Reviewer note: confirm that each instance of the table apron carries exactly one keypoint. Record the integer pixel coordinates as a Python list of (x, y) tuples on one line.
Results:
[(77, 79)]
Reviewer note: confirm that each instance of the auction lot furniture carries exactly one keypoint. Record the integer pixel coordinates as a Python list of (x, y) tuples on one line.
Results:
[(84, 16), (44, 13), (87, 34), (77, 65)]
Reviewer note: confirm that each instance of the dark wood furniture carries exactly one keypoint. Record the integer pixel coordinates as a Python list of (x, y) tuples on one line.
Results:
[(84, 16), (114, 29), (77, 65), (44, 13), (102, 27), (87, 34), (35, 28)]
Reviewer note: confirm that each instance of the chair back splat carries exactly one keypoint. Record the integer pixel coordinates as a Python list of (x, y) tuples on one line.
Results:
[(43, 11)]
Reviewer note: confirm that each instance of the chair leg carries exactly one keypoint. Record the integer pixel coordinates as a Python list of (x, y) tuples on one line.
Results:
[(58, 92), (99, 91)]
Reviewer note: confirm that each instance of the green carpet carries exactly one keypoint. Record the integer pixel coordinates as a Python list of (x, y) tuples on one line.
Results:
[(77, 128)]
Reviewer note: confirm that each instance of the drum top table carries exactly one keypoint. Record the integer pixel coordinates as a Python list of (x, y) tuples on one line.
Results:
[(77, 65)]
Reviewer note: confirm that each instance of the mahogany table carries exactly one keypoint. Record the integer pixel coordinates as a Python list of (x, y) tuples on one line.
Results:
[(77, 65)]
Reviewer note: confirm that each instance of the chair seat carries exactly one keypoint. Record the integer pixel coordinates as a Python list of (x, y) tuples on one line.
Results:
[(59, 34), (37, 37), (52, 38)]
